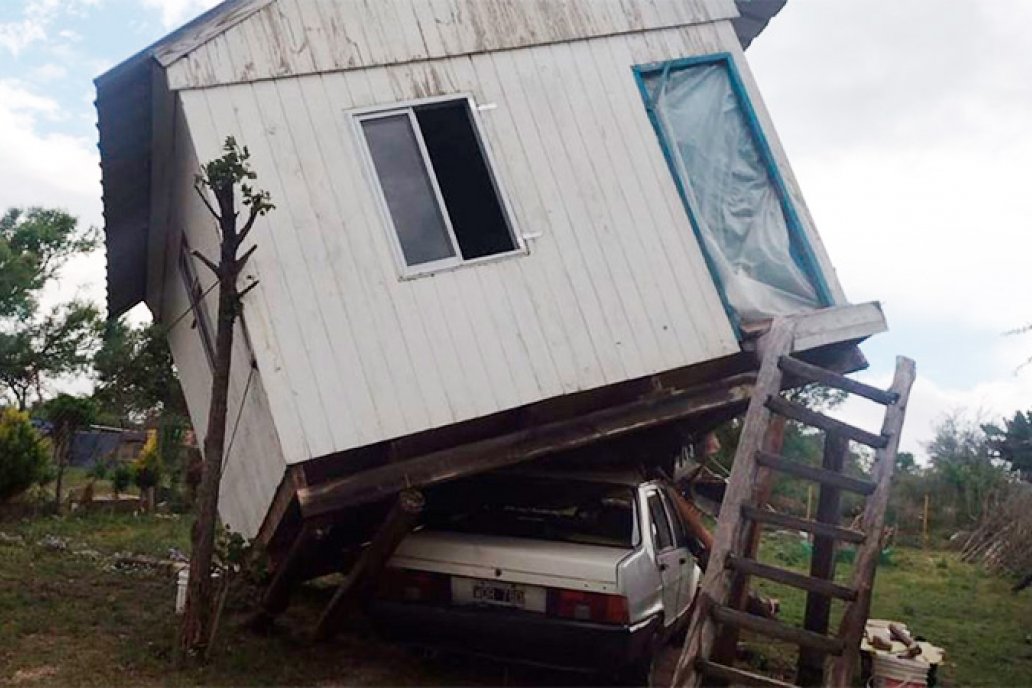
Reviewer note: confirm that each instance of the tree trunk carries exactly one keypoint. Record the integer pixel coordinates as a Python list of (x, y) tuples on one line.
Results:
[(196, 625)]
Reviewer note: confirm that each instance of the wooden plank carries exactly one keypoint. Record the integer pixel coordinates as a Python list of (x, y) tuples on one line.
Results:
[(810, 670), (731, 528), (852, 626), (514, 448), (818, 475), (737, 677), (812, 373), (277, 594), (777, 630), (821, 586), (798, 412), (794, 523), (398, 523)]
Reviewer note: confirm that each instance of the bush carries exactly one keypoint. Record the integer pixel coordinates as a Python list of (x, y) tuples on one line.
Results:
[(121, 476), (24, 455)]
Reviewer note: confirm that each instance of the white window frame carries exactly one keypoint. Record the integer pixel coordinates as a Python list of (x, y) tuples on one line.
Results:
[(406, 271)]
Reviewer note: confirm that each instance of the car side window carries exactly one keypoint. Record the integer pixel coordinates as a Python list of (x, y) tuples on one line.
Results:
[(660, 525), (680, 535)]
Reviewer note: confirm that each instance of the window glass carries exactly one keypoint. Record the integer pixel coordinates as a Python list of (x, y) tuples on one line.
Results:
[(660, 526), (195, 294), (474, 209), (407, 189), (680, 536), (438, 186)]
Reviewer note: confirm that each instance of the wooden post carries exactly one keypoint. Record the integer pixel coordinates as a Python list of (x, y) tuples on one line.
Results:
[(924, 524), (726, 647), (398, 523), (810, 671)]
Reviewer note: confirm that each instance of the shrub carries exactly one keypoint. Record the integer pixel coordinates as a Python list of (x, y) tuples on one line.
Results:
[(121, 476), (24, 455), (147, 467)]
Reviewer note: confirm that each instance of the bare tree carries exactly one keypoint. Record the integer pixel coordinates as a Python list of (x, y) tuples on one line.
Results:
[(221, 177)]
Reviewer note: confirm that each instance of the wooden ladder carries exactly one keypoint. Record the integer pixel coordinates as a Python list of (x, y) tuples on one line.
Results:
[(741, 511)]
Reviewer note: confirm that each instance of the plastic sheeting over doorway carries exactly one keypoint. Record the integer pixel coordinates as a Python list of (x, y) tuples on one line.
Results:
[(735, 205)]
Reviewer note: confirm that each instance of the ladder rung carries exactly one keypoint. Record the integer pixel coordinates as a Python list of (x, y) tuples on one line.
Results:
[(737, 677), (794, 411), (820, 586), (784, 520), (820, 475), (793, 366), (778, 630)]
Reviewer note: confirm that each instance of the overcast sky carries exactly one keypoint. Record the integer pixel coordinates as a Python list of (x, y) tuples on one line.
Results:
[(905, 121)]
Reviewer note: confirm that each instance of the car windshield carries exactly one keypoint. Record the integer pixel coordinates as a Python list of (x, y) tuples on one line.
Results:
[(542, 508)]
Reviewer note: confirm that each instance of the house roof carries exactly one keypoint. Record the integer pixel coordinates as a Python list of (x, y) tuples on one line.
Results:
[(125, 105)]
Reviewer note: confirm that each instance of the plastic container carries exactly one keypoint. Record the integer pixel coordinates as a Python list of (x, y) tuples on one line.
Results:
[(898, 672), (182, 581)]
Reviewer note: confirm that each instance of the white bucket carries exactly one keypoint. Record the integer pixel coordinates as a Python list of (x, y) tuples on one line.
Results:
[(182, 581), (898, 672)]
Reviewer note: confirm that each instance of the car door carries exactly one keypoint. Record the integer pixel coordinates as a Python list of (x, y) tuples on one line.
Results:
[(666, 554), (686, 581)]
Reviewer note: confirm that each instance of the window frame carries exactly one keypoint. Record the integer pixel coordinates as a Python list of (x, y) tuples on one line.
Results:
[(408, 107), (811, 263), (195, 296)]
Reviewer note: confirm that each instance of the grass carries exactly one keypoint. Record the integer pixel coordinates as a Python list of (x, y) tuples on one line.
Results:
[(985, 629), (70, 619)]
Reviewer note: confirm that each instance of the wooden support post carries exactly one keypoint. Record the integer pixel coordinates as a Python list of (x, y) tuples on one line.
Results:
[(398, 523), (726, 647), (924, 524), (810, 670), (277, 594)]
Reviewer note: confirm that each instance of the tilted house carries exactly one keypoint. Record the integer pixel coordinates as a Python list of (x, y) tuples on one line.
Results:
[(503, 228)]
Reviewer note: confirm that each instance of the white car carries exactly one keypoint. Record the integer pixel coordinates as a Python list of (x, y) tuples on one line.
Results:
[(547, 568)]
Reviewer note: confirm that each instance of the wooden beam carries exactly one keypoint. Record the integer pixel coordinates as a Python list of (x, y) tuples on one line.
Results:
[(818, 475), (821, 586), (398, 523), (285, 494), (851, 628), (737, 677), (812, 373), (795, 523), (777, 630), (507, 450), (287, 575), (798, 412), (810, 669)]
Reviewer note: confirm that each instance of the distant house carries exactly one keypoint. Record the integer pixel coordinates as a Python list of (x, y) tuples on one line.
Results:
[(502, 229), (99, 443)]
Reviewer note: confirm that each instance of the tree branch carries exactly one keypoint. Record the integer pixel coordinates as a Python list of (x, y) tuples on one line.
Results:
[(249, 225), (248, 288), (211, 266), (242, 261), (207, 203)]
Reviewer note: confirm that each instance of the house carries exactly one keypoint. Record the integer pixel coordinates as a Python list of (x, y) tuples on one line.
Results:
[(503, 229)]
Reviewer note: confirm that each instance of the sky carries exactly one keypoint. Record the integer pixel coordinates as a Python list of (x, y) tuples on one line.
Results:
[(905, 122)]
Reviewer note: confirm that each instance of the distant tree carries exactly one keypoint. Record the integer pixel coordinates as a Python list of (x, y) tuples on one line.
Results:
[(906, 464), (37, 344), (34, 244), (67, 414), (45, 347), (1013, 442), (964, 468), (135, 376), (24, 456)]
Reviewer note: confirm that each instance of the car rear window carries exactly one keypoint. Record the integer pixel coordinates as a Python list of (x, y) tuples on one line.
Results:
[(565, 510)]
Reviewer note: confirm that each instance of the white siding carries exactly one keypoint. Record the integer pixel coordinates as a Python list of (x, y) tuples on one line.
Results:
[(254, 465), (616, 287), (306, 36)]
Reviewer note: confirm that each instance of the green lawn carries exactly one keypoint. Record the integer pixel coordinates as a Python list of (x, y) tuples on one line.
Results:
[(71, 619), (985, 629)]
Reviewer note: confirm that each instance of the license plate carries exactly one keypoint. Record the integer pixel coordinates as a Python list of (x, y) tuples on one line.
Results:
[(501, 594)]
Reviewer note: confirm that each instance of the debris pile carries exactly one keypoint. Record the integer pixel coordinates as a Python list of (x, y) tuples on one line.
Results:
[(1003, 540)]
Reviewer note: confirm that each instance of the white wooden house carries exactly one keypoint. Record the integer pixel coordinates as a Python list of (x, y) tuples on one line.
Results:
[(502, 228)]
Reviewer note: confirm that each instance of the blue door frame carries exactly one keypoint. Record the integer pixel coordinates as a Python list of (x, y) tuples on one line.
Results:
[(800, 242)]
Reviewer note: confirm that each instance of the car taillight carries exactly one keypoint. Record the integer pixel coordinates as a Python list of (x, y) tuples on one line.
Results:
[(409, 585), (588, 606)]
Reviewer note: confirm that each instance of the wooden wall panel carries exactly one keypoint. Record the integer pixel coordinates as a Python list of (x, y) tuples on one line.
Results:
[(614, 286), (308, 36), (254, 461)]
